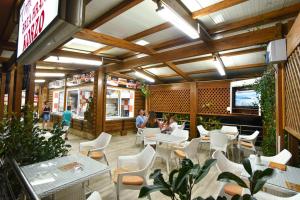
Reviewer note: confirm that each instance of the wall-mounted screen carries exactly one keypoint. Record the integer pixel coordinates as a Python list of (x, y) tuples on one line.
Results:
[(245, 97)]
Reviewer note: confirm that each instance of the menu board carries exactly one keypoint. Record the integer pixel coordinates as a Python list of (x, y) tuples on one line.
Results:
[(81, 78), (122, 82)]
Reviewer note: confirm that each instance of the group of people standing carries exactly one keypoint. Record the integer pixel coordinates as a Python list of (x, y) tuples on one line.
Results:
[(66, 117), (149, 120)]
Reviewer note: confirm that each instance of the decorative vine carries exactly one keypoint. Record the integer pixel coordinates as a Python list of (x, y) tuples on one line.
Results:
[(266, 88)]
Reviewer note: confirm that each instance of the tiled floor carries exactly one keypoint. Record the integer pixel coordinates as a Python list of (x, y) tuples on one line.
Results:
[(125, 145)]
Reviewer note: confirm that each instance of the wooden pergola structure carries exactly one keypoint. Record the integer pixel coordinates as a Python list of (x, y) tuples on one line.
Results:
[(171, 57)]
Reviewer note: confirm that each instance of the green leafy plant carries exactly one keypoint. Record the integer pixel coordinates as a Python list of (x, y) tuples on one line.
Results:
[(181, 181), (209, 122), (26, 142), (145, 90), (257, 180), (265, 87)]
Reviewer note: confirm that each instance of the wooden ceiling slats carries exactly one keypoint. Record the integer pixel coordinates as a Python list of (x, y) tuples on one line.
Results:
[(216, 7), (258, 20)]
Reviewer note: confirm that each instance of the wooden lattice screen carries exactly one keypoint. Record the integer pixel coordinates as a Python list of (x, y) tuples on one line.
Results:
[(175, 100), (292, 89), (213, 99)]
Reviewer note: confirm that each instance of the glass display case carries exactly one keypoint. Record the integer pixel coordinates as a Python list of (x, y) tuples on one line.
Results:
[(119, 103)]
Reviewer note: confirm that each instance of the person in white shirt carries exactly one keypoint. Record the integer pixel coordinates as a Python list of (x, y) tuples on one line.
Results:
[(173, 124)]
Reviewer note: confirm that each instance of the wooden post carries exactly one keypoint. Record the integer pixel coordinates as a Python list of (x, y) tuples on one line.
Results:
[(18, 90), (193, 109), (30, 88), (11, 93), (280, 102), (40, 100), (65, 94), (99, 101), (293, 147), (2, 94)]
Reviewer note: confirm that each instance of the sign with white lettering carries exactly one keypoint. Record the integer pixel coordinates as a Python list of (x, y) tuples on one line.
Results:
[(35, 16)]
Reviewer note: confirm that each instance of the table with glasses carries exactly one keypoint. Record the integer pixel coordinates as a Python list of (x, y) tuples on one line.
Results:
[(280, 179), (49, 177)]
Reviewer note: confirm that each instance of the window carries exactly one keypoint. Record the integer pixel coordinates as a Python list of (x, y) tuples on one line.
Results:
[(119, 102)]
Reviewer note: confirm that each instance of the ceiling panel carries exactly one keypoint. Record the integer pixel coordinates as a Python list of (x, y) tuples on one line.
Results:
[(116, 52), (161, 71), (202, 65), (139, 18), (7, 54), (245, 59)]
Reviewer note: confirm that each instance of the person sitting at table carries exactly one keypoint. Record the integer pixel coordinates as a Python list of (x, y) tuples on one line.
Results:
[(152, 121), (140, 119), (170, 125)]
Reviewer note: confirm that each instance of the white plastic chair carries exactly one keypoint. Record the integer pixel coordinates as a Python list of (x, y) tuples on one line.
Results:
[(267, 196), (218, 141), (282, 157), (138, 136), (204, 134), (225, 165), (248, 141), (94, 196), (149, 132), (182, 126), (229, 129), (136, 178), (98, 145), (189, 151), (165, 151)]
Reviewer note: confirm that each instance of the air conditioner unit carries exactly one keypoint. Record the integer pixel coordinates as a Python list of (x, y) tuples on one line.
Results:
[(276, 51), (44, 25)]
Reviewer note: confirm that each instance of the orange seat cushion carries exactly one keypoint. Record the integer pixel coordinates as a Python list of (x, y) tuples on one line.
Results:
[(94, 154), (206, 138), (246, 144), (180, 153), (233, 189), (127, 180), (279, 166)]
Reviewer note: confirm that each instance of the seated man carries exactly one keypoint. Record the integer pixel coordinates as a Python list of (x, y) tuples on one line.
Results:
[(140, 119)]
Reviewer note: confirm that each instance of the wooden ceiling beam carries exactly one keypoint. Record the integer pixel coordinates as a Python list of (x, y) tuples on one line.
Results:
[(59, 71), (258, 20), (66, 65), (90, 35), (137, 36), (228, 69), (2, 59), (216, 7), (114, 12), (9, 46), (252, 38)]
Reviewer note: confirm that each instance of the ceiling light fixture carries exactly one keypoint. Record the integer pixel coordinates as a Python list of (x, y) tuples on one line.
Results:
[(70, 60), (85, 43), (43, 74), (219, 66), (168, 14), (143, 76), (142, 42), (39, 81)]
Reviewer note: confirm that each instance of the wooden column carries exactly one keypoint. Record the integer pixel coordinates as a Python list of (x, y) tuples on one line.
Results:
[(30, 88), (11, 93), (2, 94), (293, 147), (65, 94), (18, 90), (100, 101), (280, 102), (40, 100), (193, 110)]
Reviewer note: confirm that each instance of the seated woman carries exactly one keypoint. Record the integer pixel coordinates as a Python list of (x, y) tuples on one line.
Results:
[(152, 121), (170, 125)]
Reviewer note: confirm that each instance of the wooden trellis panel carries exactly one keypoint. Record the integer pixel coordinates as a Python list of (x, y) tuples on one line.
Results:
[(292, 97), (213, 99), (173, 100)]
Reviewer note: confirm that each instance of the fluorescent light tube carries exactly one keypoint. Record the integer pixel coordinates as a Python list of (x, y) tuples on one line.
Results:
[(39, 81), (219, 67), (70, 60), (143, 76), (42, 74), (171, 16)]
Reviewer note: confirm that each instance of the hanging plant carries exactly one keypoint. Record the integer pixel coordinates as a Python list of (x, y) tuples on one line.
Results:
[(145, 90), (265, 87)]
